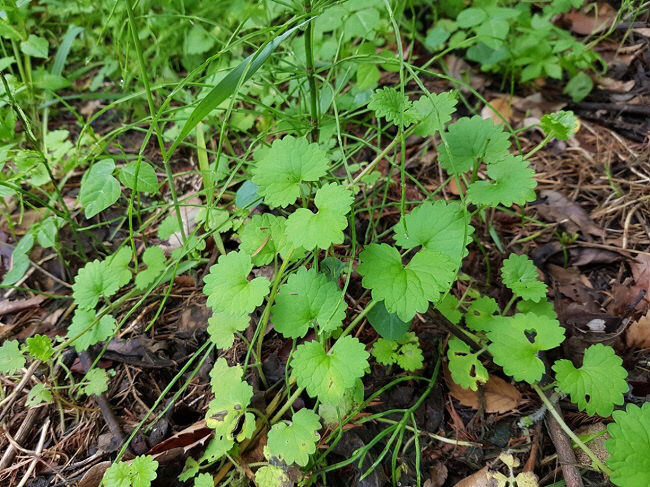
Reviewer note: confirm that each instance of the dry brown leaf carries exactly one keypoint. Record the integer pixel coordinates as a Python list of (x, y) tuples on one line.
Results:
[(558, 208), (499, 106), (641, 271), (500, 396), (643, 31), (591, 22), (93, 477), (638, 334), (616, 85), (478, 479)]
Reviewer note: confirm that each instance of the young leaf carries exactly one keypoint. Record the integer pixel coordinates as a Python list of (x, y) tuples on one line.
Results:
[(38, 394), (143, 471), (270, 476), (439, 226), (40, 347), (328, 374), (118, 475), (324, 228), (629, 446), (520, 275), (405, 290), (228, 288), (465, 367), (385, 351), (203, 480), (264, 236), (222, 328), (98, 332), (448, 307), (560, 125), (294, 442), (11, 358), (480, 313), (99, 189), (168, 226), (118, 266), (517, 339), (288, 163), (404, 351), (93, 280), (97, 382), (434, 112), (35, 46), (308, 299), (388, 325), (471, 141), (389, 103), (410, 357), (512, 182), (154, 259), (147, 181), (598, 385)]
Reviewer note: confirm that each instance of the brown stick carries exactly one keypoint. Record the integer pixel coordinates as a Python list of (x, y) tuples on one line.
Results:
[(565, 454), (22, 432)]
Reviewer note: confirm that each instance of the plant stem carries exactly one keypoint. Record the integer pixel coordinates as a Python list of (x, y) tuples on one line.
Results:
[(287, 405), (551, 409), (359, 317), (537, 147), (311, 75)]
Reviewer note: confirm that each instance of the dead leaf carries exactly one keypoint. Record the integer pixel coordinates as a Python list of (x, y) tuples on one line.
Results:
[(478, 479), (182, 442), (558, 208), (498, 106), (500, 396), (641, 271), (7, 307), (460, 69), (638, 334), (536, 105), (437, 475), (591, 22), (643, 31), (93, 477), (616, 85)]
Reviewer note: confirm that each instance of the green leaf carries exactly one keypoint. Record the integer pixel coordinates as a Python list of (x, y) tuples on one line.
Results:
[(20, 258), (434, 112), (480, 314), (11, 358), (324, 228), (517, 339), (389, 103), (197, 40), (629, 446), (35, 46), (154, 259), (40, 347), (231, 398), (168, 226), (388, 325), (361, 23), (448, 307), (465, 367), (598, 385), (409, 289), (470, 17), (118, 267), (439, 226), (493, 32), (410, 357), (270, 476), (288, 163), (404, 351), (147, 181), (47, 232), (512, 182), (97, 382), (542, 308), (385, 351), (118, 475), (98, 332), (264, 236), (38, 394), (222, 328), (328, 374), (143, 471), (228, 288), (560, 125), (99, 189), (520, 275), (293, 442), (579, 86), (203, 480), (93, 280), (308, 299), (471, 141)]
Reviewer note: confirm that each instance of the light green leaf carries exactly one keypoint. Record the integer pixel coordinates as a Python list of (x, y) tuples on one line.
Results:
[(434, 112), (327, 375), (470, 17), (38, 394), (11, 358), (154, 259), (97, 382), (448, 307), (222, 328), (99, 189), (308, 299), (204, 480), (465, 367), (598, 385), (385, 351), (271, 476), (480, 314), (118, 267), (93, 280), (264, 236), (560, 125), (361, 23), (288, 163), (228, 288), (293, 442), (629, 446), (511, 182), (35, 46), (409, 289), (143, 471), (98, 332), (118, 475), (520, 275), (410, 357), (197, 40), (40, 347), (147, 181), (324, 228), (389, 103)]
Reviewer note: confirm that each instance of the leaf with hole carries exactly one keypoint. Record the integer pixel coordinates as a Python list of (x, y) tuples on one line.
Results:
[(465, 367)]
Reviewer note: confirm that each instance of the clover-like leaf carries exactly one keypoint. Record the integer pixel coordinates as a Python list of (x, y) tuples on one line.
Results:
[(511, 182), (327, 375), (470, 141), (143, 471), (288, 163), (560, 125), (91, 331), (389, 103), (222, 328), (154, 259), (598, 385), (516, 341), (520, 275), (480, 313), (440, 226), (97, 382), (204, 480), (228, 288), (40, 347), (404, 351), (11, 358), (118, 475), (629, 446), (264, 236), (434, 111), (308, 299), (325, 227), (405, 290), (293, 442), (99, 189), (465, 367)]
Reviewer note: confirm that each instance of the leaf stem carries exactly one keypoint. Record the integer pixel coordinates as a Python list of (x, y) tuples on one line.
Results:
[(311, 76)]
